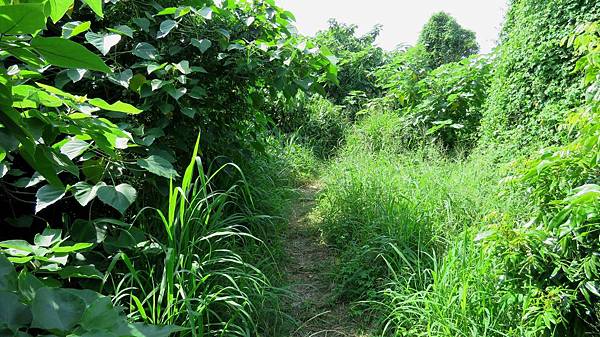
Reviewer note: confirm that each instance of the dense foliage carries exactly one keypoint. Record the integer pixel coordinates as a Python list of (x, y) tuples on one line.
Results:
[(358, 56), (196, 68), (446, 41), (534, 85), (442, 105), (150, 150)]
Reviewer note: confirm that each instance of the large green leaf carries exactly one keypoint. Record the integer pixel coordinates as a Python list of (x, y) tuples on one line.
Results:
[(89, 272), (145, 51), (22, 18), (74, 148), (119, 197), (84, 192), (37, 156), (74, 28), (28, 285), (202, 45), (58, 8), (68, 54), (174, 92), (117, 106), (103, 42), (18, 247), (165, 28), (100, 315), (48, 237), (122, 30), (27, 56), (55, 308), (46, 196), (8, 275), (96, 6), (13, 313), (158, 165), (123, 78)]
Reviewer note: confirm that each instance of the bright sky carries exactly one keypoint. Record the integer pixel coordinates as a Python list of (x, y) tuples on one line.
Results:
[(402, 20)]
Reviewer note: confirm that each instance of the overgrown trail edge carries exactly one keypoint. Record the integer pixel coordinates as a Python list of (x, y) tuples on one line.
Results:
[(310, 261)]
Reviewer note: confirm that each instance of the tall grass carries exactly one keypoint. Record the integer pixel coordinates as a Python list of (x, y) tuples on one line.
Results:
[(196, 277), (405, 224)]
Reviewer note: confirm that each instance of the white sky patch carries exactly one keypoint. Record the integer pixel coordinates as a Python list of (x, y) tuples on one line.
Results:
[(402, 20)]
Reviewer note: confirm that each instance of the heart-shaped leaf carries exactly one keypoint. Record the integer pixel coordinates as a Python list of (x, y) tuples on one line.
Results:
[(48, 237), (96, 6), (158, 165), (202, 45), (46, 196), (146, 51), (165, 28), (183, 67), (58, 8), (119, 197), (122, 30), (56, 309), (84, 192), (103, 42), (74, 148), (176, 93), (74, 28), (13, 313), (122, 78)]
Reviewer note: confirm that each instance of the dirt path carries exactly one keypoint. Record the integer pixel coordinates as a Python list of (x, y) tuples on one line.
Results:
[(309, 263)]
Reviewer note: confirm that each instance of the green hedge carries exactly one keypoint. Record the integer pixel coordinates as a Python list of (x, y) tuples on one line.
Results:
[(534, 86)]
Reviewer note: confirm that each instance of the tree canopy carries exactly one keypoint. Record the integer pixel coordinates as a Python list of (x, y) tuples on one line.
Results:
[(446, 40)]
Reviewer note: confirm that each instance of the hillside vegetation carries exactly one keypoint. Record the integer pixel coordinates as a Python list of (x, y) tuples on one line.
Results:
[(152, 154)]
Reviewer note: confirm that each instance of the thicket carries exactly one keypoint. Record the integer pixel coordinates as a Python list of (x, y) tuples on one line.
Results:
[(534, 85), (447, 41), (495, 241), (117, 213), (149, 152)]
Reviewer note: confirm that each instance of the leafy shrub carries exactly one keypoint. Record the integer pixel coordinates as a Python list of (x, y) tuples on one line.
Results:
[(452, 97), (209, 67), (32, 306), (446, 41), (377, 132), (533, 84), (314, 120), (400, 75), (443, 105), (53, 137), (358, 58), (553, 257)]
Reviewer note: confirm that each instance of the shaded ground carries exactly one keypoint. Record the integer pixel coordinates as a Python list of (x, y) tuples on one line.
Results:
[(309, 262)]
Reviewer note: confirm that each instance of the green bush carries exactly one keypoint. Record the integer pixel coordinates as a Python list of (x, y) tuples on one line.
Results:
[(378, 132), (533, 84), (314, 121), (446, 41), (443, 105), (358, 57), (551, 261)]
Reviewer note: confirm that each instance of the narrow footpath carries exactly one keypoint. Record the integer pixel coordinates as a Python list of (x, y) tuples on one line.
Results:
[(310, 261)]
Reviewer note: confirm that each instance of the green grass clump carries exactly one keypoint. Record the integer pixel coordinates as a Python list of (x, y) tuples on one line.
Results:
[(380, 201), (405, 225)]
